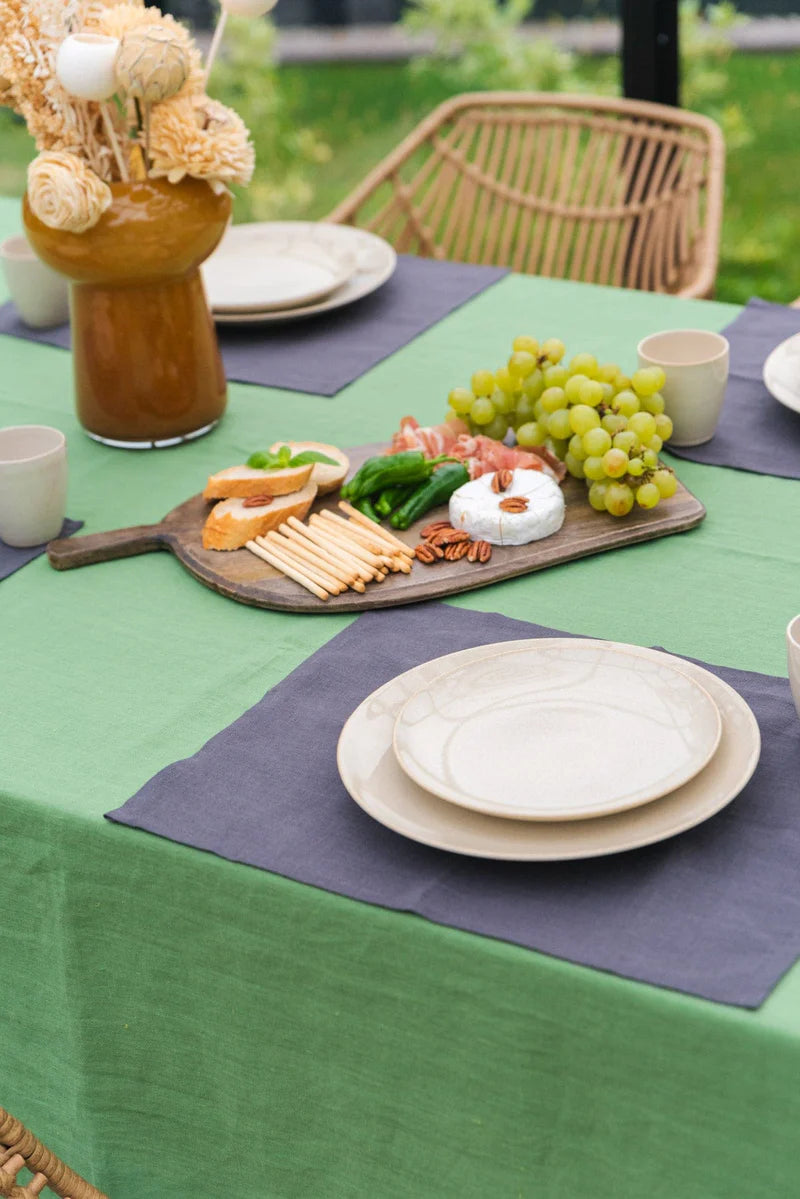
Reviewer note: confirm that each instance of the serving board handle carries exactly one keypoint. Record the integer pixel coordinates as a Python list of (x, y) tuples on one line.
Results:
[(67, 552)]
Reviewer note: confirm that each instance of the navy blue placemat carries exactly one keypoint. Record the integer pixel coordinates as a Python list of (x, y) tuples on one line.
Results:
[(714, 912), (755, 432), (12, 558), (324, 353)]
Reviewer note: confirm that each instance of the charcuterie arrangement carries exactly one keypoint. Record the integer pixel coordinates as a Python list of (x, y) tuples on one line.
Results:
[(303, 525)]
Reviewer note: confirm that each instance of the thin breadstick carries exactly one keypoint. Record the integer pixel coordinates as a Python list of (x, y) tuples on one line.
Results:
[(348, 529), (289, 571), (353, 547), (314, 537), (367, 573), (379, 530), (321, 580), (336, 566), (353, 530), (315, 573), (386, 548), (321, 532), (315, 557), (343, 532), (350, 532), (313, 567), (386, 541)]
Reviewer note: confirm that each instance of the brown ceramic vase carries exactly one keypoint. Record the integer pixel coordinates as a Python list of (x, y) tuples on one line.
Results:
[(146, 361)]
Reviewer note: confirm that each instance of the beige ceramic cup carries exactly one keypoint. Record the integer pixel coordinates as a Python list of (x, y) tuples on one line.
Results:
[(696, 365), (33, 484), (40, 295), (793, 654)]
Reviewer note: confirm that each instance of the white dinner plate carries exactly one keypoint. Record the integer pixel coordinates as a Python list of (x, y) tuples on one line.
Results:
[(557, 731), (782, 373), (372, 775), (263, 268), (374, 262)]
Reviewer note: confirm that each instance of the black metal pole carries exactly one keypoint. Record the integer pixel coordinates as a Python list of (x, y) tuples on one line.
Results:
[(650, 68)]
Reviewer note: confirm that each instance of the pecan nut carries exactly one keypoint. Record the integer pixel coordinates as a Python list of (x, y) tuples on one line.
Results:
[(457, 550), (437, 526), (257, 501), (450, 537), (424, 553), (514, 503), (501, 480), (479, 551)]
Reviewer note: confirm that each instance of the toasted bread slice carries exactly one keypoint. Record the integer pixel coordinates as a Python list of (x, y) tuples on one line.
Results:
[(327, 478), (244, 482), (230, 525)]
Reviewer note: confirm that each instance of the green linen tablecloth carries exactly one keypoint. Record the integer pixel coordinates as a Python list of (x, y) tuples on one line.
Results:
[(179, 1026)]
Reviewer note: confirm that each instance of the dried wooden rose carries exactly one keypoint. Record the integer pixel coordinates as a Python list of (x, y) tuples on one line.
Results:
[(64, 193)]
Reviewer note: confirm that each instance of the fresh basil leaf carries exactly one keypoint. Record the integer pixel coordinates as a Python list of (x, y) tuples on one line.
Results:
[(262, 460), (284, 455), (306, 456)]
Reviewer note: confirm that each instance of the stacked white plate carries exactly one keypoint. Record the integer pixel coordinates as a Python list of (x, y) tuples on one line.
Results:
[(287, 270), (782, 373), (548, 749)]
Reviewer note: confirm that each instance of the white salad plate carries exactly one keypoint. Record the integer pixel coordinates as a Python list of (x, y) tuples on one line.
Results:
[(372, 775), (245, 271), (557, 731), (263, 268), (782, 373)]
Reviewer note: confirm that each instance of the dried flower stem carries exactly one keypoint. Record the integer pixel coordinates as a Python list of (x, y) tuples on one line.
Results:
[(147, 161), (114, 142), (215, 42)]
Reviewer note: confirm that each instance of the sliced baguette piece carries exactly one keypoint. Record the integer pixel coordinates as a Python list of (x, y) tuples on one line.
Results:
[(230, 525), (244, 481), (327, 478)]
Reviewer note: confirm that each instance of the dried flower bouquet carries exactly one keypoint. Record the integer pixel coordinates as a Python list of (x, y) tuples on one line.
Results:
[(112, 92)]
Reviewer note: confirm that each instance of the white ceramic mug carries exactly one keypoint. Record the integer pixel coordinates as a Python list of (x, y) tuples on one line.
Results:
[(40, 295), (793, 654), (33, 484), (696, 365)]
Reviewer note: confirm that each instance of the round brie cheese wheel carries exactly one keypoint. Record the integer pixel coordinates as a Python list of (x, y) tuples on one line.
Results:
[(476, 508)]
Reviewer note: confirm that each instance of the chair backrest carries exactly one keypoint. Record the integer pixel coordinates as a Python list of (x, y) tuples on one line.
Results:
[(598, 189), (18, 1148)]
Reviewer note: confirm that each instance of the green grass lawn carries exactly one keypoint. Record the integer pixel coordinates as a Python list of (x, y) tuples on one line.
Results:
[(362, 110)]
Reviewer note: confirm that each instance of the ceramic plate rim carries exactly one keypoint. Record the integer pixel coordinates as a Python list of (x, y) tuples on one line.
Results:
[(775, 388), (279, 244), (620, 841), (362, 282), (645, 795)]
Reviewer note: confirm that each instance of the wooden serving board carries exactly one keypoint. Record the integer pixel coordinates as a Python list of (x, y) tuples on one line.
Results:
[(242, 576)]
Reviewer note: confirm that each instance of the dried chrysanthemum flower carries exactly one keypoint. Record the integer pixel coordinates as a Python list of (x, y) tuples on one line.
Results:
[(124, 19), (64, 193), (197, 136), (31, 36)]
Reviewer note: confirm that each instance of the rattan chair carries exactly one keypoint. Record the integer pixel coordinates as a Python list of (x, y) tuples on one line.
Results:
[(20, 1149), (576, 187)]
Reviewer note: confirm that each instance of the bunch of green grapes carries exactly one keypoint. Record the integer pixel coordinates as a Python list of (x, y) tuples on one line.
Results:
[(606, 427)]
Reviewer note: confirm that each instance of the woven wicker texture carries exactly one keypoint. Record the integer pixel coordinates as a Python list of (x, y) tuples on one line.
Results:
[(576, 187), (20, 1148)]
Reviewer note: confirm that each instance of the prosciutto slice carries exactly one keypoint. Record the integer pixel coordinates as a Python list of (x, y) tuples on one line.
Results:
[(481, 455)]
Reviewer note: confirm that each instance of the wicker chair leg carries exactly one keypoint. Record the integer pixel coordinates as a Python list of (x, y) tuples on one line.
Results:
[(18, 1147)]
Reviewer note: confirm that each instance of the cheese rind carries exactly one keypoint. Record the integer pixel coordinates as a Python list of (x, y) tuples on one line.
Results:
[(476, 508)]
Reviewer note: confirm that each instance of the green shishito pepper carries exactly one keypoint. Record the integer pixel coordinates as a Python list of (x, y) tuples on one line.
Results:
[(390, 470), (391, 498), (364, 506), (435, 490)]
